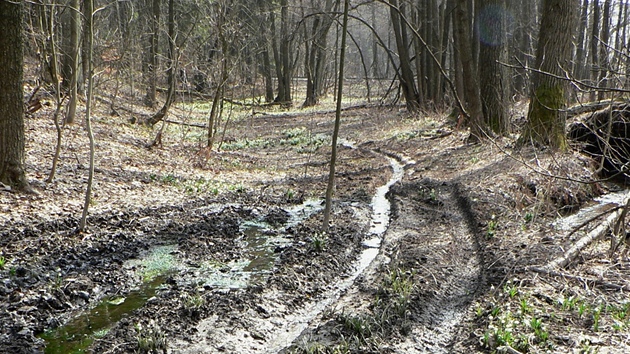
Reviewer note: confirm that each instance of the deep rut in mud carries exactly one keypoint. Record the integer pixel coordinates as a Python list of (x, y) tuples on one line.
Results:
[(434, 235)]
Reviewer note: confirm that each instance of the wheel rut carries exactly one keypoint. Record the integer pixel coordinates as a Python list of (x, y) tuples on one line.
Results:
[(432, 234), (438, 237)]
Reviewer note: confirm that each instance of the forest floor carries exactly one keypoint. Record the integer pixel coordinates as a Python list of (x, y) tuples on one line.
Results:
[(190, 251)]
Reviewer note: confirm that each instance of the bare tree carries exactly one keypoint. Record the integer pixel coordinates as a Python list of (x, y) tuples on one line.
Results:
[(463, 39), (152, 59), (88, 8), (333, 157), (317, 51)]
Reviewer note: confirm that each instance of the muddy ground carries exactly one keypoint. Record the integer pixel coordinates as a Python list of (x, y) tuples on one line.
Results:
[(452, 274)]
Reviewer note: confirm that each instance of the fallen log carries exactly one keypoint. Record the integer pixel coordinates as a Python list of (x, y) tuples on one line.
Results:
[(568, 256)]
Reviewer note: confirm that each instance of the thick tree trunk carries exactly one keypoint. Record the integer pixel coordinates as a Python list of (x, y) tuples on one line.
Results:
[(492, 23), (546, 121), (11, 96), (472, 98)]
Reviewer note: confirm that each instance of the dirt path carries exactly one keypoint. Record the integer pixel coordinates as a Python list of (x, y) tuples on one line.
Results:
[(202, 253)]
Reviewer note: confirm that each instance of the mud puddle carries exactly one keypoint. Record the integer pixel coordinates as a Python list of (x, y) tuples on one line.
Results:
[(259, 240), (78, 334)]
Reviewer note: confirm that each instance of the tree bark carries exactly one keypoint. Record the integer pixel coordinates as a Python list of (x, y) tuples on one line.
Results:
[(170, 71), (284, 89), (546, 120), (604, 37), (595, 45), (579, 67), (472, 98), (317, 56), (491, 27), (11, 96)]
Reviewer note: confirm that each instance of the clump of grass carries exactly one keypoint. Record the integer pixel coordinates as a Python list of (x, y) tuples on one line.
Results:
[(492, 227), (150, 339), (193, 304), (318, 242), (540, 333), (3, 262)]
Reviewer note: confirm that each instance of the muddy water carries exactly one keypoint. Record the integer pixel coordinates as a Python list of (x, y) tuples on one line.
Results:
[(295, 325), (77, 335)]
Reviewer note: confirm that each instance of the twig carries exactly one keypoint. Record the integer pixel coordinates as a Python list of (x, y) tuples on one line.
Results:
[(507, 349)]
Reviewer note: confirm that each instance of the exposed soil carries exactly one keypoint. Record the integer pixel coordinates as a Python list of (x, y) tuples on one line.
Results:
[(451, 274)]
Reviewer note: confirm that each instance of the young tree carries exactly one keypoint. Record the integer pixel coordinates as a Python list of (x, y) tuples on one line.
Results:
[(88, 8), (333, 156), (546, 121), (11, 96)]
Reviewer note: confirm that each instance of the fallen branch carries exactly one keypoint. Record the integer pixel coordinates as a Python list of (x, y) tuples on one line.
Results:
[(597, 282), (196, 125), (582, 243)]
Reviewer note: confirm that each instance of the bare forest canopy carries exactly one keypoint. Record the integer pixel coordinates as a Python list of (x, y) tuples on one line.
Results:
[(256, 52)]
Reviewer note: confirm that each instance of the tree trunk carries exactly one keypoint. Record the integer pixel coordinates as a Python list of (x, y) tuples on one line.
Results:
[(492, 23), (472, 98), (73, 59), (89, 36), (602, 78), (546, 121), (412, 97), (333, 157), (317, 56), (11, 96), (284, 88), (150, 99), (579, 67), (595, 46), (170, 71)]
